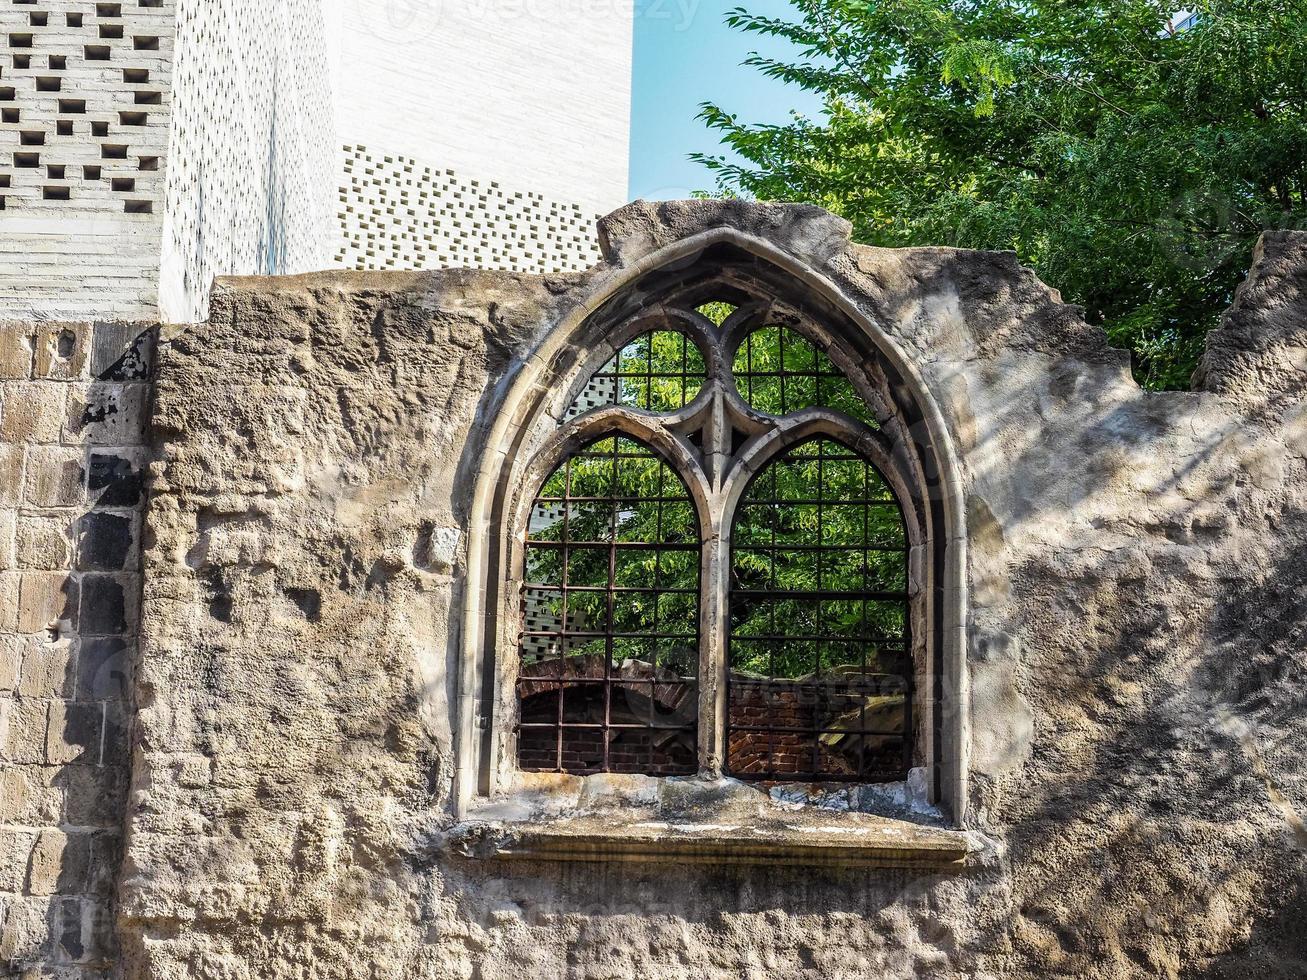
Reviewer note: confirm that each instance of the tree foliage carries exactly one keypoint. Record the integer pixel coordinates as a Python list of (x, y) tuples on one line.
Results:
[(818, 536), (1131, 167)]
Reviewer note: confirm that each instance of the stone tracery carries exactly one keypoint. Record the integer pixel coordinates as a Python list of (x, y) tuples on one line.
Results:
[(747, 391)]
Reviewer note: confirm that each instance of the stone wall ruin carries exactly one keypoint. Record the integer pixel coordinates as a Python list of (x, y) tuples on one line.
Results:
[(1129, 716)]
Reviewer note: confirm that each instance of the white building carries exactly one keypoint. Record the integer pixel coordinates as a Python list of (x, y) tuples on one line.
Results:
[(149, 145), (1182, 21), (481, 132)]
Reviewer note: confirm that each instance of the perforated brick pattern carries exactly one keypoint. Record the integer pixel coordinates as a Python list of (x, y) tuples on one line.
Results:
[(396, 212), (84, 105)]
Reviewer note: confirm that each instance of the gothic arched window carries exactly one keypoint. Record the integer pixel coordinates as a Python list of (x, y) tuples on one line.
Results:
[(820, 672), (715, 568), (610, 617)]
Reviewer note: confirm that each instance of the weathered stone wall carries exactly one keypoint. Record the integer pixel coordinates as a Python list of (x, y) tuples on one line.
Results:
[(73, 406), (1136, 644)]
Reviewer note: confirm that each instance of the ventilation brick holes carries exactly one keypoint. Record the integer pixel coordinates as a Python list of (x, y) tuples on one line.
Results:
[(396, 213), (71, 50)]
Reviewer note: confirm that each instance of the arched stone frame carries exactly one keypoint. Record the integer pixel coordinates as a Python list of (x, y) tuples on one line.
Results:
[(540, 393), (805, 426)]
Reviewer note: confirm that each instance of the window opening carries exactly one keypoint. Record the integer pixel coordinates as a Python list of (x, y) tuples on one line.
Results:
[(816, 604), (658, 371), (820, 678), (779, 371), (610, 607), (716, 311)]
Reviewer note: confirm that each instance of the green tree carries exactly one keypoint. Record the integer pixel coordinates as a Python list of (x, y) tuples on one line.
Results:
[(817, 532), (1131, 167)]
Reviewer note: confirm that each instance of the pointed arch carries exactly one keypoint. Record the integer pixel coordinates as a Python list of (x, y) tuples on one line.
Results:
[(608, 652), (758, 279)]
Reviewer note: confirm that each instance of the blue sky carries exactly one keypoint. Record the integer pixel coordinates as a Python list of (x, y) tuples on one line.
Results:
[(685, 55)]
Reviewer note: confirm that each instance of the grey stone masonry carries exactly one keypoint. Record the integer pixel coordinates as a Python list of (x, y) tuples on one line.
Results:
[(73, 404)]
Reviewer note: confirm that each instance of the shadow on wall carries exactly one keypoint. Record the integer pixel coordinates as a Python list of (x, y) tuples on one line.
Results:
[(1139, 575), (73, 428), (1143, 581)]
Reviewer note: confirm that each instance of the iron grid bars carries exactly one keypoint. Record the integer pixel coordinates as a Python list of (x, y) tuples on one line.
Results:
[(610, 645), (780, 371), (735, 598), (820, 678), (658, 371)]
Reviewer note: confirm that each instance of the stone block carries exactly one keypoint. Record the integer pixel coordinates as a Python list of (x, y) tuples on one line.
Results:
[(29, 796), (16, 351), (25, 933), (44, 542), (102, 414), (116, 479), (75, 733), (32, 412), (105, 857), (62, 350), (117, 734), (104, 667), (54, 477), (22, 730), (93, 796), (70, 928), (122, 352), (11, 475), (101, 935), (59, 863), (104, 605), (48, 668), (9, 581), (105, 542), (15, 849), (47, 601), (8, 535), (11, 661)]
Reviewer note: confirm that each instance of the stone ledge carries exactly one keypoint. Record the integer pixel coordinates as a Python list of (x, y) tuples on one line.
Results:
[(849, 841)]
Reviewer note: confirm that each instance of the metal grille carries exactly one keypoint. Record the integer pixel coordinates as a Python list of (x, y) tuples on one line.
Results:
[(610, 645), (820, 681), (778, 371), (659, 371)]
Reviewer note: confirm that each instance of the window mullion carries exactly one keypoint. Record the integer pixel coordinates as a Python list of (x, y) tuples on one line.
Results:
[(714, 628)]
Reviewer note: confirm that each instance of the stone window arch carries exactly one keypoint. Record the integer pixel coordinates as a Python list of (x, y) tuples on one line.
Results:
[(608, 663), (725, 368)]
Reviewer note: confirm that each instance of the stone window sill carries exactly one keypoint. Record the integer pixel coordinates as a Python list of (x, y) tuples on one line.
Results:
[(606, 818)]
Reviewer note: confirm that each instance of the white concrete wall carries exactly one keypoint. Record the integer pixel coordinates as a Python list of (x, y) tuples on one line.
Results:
[(252, 169), (84, 108), (532, 94), (219, 151)]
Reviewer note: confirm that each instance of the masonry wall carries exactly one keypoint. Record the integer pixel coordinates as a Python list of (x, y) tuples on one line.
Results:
[(74, 399), (1135, 642)]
